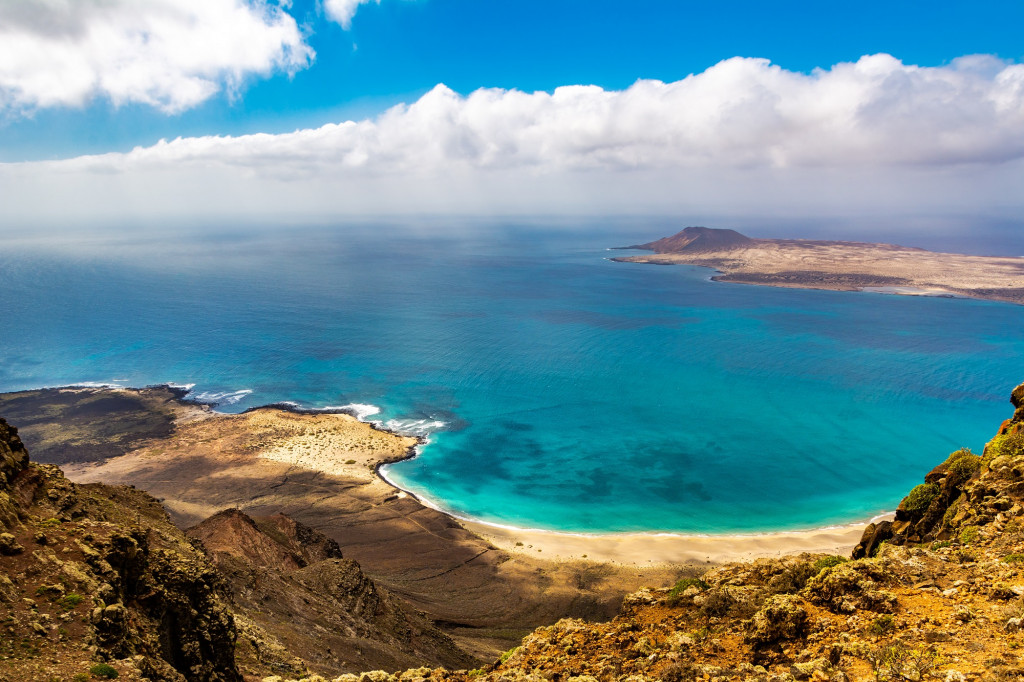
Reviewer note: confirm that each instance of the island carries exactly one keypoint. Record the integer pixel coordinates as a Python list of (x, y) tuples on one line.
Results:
[(838, 265)]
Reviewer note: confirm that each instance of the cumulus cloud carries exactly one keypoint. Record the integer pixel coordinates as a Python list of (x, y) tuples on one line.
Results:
[(739, 113), (342, 11), (169, 54), (744, 132)]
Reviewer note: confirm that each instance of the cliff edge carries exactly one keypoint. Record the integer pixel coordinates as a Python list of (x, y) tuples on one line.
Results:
[(95, 580)]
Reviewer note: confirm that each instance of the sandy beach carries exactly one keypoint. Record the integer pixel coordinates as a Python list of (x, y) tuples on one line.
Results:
[(668, 548), (340, 445)]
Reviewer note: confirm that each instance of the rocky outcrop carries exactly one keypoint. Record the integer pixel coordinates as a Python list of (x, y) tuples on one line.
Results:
[(99, 574), (874, 535), (306, 609), (782, 617), (696, 240), (965, 495), (235, 534), (13, 460), (309, 543)]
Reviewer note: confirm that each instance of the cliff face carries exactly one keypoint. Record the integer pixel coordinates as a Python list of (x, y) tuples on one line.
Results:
[(96, 574), (13, 460), (301, 607)]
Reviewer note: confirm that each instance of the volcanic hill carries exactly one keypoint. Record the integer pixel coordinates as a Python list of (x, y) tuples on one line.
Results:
[(696, 240)]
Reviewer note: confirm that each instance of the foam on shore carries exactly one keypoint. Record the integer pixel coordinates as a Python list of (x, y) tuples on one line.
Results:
[(361, 411), (220, 397)]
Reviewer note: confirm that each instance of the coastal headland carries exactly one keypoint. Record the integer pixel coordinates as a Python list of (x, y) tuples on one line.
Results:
[(838, 265), (320, 470), (488, 584)]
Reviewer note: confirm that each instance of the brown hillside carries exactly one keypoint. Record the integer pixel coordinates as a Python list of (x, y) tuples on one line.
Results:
[(274, 543), (302, 608), (94, 575), (96, 578)]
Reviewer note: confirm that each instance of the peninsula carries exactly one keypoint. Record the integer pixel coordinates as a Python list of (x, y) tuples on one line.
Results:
[(838, 265)]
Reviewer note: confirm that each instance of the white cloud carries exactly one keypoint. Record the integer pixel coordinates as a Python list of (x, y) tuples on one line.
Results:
[(743, 135), (342, 11), (739, 113), (169, 54)]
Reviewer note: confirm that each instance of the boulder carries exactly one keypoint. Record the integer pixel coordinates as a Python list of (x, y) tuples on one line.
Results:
[(783, 616)]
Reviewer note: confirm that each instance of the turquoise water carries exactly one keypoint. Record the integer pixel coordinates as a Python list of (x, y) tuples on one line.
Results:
[(559, 390)]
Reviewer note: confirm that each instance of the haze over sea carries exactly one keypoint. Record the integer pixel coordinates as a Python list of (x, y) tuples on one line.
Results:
[(559, 390)]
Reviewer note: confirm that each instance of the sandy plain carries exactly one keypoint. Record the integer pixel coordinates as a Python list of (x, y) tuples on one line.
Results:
[(855, 266)]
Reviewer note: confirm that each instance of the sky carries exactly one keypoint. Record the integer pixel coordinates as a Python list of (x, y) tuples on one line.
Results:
[(902, 117)]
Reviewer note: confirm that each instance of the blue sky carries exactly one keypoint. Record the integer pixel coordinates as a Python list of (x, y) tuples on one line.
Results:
[(397, 50), (797, 108)]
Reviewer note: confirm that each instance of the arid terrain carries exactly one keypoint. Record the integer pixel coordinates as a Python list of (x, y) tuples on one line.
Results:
[(839, 265), (96, 582), (319, 469)]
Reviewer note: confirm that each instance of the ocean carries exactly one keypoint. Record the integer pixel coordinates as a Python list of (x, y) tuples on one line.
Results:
[(557, 389)]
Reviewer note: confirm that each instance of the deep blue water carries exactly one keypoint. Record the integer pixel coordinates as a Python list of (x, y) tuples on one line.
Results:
[(575, 393)]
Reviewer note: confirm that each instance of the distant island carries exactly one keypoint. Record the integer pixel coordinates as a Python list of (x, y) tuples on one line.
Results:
[(838, 265)]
